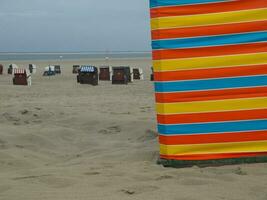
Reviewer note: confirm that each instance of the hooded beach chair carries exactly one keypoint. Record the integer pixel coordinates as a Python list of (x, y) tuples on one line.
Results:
[(88, 75), (49, 71), (105, 73), (121, 75), (138, 74), (11, 68), (32, 68), (75, 69), (21, 77), (1, 69)]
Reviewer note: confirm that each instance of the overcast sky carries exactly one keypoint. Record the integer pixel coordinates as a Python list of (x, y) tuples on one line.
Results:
[(74, 25)]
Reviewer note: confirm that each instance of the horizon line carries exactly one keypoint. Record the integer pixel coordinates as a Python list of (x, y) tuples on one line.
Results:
[(76, 52)]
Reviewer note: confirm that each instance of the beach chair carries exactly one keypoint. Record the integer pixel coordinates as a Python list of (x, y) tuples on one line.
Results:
[(152, 74), (138, 74), (88, 75), (11, 67), (121, 75), (75, 69), (1, 69), (130, 74), (105, 73), (21, 77), (57, 69), (32, 68), (49, 71)]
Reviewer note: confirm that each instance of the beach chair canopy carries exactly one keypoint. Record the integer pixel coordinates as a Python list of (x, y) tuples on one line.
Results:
[(88, 69), (13, 66), (19, 71), (50, 68)]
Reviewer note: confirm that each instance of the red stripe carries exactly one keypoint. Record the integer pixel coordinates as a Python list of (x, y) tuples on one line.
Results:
[(211, 95), (207, 8), (210, 73), (213, 138), (212, 156), (213, 116), (210, 51), (209, 30)]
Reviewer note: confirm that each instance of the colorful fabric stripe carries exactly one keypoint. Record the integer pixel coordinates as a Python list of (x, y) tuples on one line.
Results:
[(210, 51), (211, 84), (210, 72), (206, 8), (213, 138), (206, 117), (238, 93), (210, 62), (210, 41), (223, 29), (211, 106), (231, 147), (214, 127), (209, 19), (213, 156), (158, 3)]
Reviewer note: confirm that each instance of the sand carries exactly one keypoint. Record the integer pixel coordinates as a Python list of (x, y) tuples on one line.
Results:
[(63, 141)]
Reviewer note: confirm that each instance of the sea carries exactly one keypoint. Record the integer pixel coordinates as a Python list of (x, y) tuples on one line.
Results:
[(73, 56)]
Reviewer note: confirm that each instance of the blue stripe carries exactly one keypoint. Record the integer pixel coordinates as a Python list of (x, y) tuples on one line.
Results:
[(220, 127), (157, 3), (211, 84), (210, 41)]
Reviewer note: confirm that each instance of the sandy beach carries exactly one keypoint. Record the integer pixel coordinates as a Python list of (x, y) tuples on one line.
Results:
[(60, 140)]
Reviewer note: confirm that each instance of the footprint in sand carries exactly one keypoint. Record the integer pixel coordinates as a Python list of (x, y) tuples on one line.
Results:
[(164, 177), (48, 179), (24, 112), (139, 189), (195, 181), (29, 177), (111, 130), (10, 118), (148, 135), (91, 173), (186, 198), (145, 109), (56, 182), (35, 115), (239, 171)]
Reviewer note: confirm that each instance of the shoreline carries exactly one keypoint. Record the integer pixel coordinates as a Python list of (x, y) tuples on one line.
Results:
[(77, 59)]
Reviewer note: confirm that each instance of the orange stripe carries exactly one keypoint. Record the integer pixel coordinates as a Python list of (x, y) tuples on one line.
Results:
[(210, 73), (209, 30), (213, 138), (213, 116), (207, 8), (213, 156), (211, 95), (210, 51)]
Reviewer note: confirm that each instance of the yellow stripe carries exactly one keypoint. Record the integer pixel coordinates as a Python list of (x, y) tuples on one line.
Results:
[(210, 62), (238, 147), (209, 19), (212, 106)]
